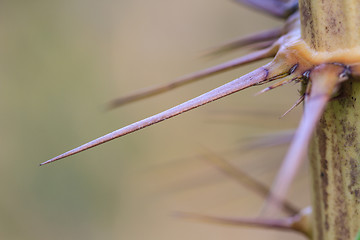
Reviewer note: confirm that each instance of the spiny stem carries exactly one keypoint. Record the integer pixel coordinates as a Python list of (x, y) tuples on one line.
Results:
[(324, 80), (335, 167)]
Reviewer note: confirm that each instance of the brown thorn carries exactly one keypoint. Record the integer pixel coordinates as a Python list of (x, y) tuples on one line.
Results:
[(148, 92), (230, 170)]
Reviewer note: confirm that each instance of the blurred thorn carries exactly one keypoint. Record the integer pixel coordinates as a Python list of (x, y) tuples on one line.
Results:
[(263, 140), (244, 178), (285, 224), (155, 90), (269, 140), (261, 45), (264, 38), (277, 8)]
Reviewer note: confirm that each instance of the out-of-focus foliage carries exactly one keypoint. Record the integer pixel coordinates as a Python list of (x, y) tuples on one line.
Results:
[(357, 236), (62, 61)]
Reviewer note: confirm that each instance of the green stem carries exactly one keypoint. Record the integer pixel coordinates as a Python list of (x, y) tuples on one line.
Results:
[(330, 25), (335, 167), (327, 27)]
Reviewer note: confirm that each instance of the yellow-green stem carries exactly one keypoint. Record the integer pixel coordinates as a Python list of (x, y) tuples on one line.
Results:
[(335, 167), (330, 25), (327, 27)]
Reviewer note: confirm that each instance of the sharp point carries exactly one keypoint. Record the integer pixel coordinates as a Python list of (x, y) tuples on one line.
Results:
[(81, 148), (54, 159)]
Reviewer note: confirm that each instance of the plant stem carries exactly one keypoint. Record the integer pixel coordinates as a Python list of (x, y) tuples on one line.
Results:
[(330, 25), (335, 167), (327, 27)]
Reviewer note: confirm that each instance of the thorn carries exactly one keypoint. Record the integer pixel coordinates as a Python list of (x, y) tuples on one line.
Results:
[(261, 45), (285, 224), (251, 79), (276, 8), (300, 100), (270, 140), (275, 85), (148, 92), (244, 179), (266, 37)]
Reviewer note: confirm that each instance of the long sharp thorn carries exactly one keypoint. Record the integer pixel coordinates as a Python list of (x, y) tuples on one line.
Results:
[(145, 93), (324, 79), (250, 40), (253, 78)]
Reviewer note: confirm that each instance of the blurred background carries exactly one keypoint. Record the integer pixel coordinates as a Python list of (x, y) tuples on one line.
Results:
[(63, 61)]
